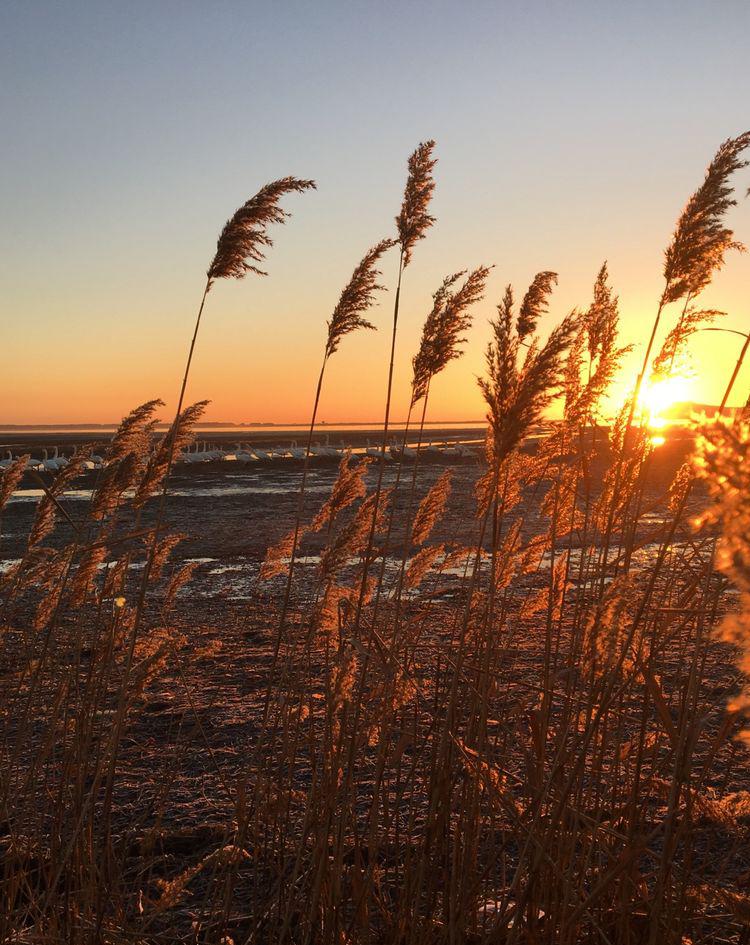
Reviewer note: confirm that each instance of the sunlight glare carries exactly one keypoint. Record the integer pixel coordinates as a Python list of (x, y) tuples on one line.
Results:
[(658, 396)]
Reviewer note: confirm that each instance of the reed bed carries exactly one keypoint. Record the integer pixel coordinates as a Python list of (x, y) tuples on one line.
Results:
[(531, 730)]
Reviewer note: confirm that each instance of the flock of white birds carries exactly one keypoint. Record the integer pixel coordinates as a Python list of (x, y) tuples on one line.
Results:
[(246, 453), (53, 459)]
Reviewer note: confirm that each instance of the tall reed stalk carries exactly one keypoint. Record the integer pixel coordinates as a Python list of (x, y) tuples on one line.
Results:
[(356, 298), (412, 224)]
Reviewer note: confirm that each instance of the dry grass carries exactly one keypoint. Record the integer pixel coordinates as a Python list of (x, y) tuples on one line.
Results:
[(538, 750)]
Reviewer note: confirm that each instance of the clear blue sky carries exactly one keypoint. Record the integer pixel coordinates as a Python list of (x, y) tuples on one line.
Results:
[(566, 133)]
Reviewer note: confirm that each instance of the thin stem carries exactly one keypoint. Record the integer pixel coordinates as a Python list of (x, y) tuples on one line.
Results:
[(300, 511), (381, 466), (735, 372)]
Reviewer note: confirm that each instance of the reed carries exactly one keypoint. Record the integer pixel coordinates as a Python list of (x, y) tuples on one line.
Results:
[(412, 224), (357, 297), (533, 730)]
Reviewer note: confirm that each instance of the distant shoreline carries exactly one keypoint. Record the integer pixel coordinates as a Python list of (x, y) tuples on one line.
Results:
[(210, 425)]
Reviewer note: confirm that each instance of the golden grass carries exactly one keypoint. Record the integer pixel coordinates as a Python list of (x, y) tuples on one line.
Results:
[(535, 751)]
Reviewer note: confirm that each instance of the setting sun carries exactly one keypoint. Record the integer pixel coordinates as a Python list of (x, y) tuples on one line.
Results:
[(658, 396)]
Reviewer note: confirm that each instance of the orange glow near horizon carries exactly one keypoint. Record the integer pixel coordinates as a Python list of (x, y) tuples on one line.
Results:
[(112, 203)]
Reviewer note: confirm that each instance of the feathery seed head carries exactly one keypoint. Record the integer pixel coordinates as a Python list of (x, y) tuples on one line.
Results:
[(701, 240), (177, 438), (349, 487), (413, 221), (356, 298), (244, 239), (431, 508), (277, 556), (421, 564), (534, 303), (443, 327), (11, 477)]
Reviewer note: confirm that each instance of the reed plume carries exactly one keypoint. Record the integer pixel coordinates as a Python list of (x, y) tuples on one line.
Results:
[(517, 396), (701, 239), (51, 577), (535, 303), (164, 549), (414, 219), (278, 555), (601, 319), (11, 477), (598, 332), (331, 610), (608, 640), (176, 439), (173, 890), (134, 433), (431, 509), (88, 568), (125, 458), (444, 326), (353, 537), (420, 565), (699, 243), (179, 579), (244, 239), (439, 345), (674, 345), (356, 298), (723, 462), (348, 487), (241, 244)]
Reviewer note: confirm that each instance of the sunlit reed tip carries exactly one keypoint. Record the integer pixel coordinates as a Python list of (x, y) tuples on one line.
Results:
[(535, 303), (701, 240), (444, 326), (244, 239), (414, 220), (356, 298)]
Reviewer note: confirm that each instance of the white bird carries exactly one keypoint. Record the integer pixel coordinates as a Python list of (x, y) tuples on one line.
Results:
[(296, 452), (6, 462), (317, 449), (264, 455), (191, 456), (451, 452), (49, 464), (374, 451), (402, 452), (432, 450), (325, 450), (242, 455), (215, 453)]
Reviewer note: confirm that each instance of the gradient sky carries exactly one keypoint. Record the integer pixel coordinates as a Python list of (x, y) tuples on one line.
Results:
[(567, 133)]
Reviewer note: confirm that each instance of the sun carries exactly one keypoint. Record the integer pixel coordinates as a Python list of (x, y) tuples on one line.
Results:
[(657, 396)]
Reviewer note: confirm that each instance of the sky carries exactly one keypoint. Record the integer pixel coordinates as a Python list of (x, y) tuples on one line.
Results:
[(567, 133)]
